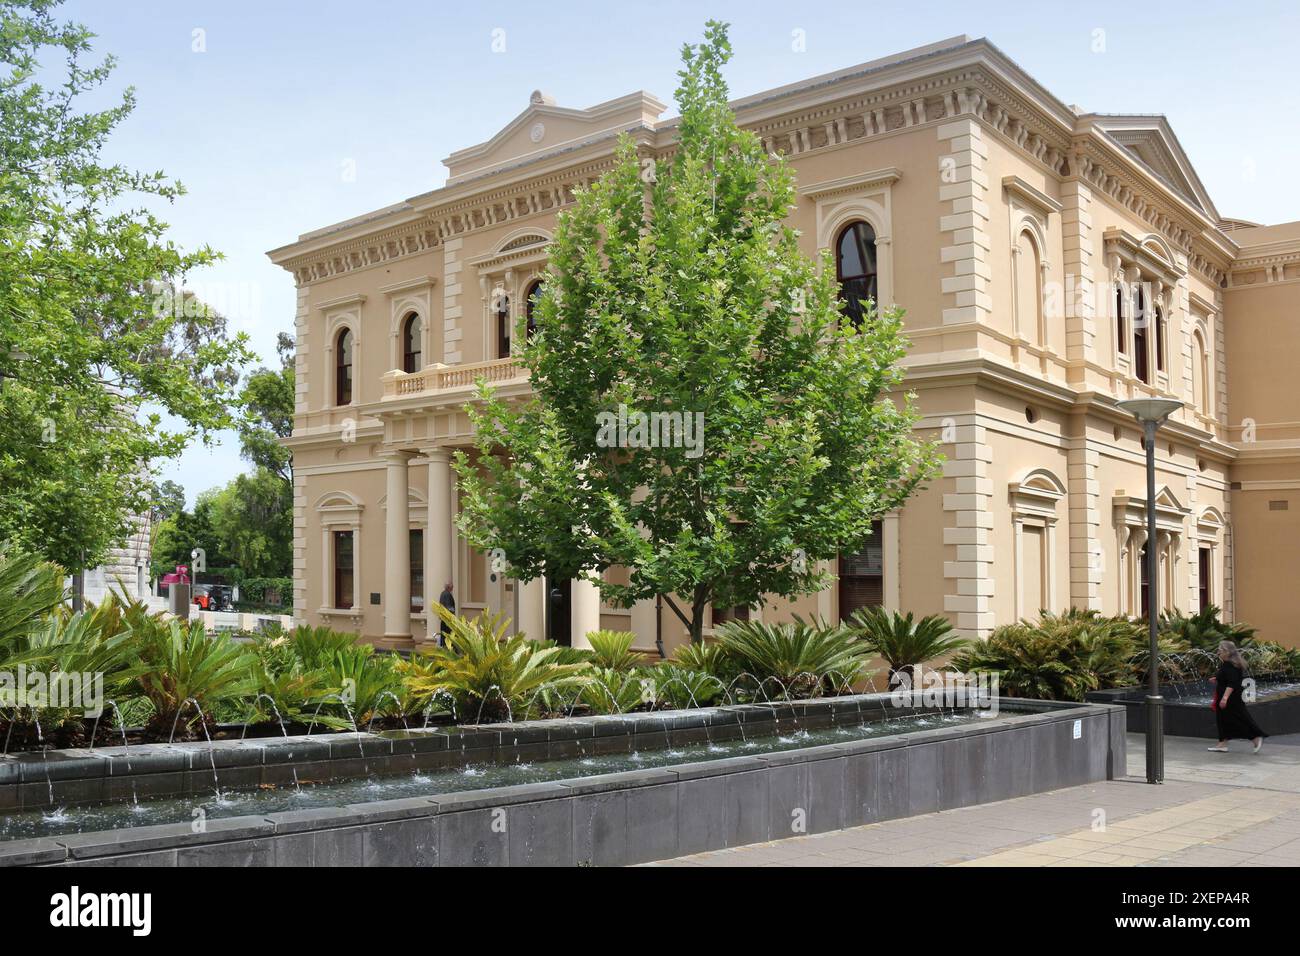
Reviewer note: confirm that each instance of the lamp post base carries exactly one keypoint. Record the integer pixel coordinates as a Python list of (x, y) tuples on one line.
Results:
[(1155, 739)]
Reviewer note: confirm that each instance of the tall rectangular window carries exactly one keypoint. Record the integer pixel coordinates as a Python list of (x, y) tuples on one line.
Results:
[(862, 575), (343, 570), (417, 571), (1204, 570)]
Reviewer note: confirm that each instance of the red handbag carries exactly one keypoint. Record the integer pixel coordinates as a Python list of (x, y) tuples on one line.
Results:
[(1214, 694)]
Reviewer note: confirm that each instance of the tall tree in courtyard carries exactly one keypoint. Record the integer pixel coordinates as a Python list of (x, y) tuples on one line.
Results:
[(676, 294), (104, 366)]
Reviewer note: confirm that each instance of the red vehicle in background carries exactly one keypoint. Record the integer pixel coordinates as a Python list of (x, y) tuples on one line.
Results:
[(212, 597)]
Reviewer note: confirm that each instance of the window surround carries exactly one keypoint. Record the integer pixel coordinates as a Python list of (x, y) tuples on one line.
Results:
[(1033, 504), (1130, 518), (341, 511), (342, 313), (412, 295), (1149, 262), (1209, 526), (517, 263), (866, 197)]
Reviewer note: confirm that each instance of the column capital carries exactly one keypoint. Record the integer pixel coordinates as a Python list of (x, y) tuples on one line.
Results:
[(437, 453), (396, 455)]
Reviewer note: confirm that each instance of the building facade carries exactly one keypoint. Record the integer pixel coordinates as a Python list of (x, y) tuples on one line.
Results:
[(1051, 262)]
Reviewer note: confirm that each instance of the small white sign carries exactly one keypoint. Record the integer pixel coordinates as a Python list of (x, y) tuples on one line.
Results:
[(1078, 729)]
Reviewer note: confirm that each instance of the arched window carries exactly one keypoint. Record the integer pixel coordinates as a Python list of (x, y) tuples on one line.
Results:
[(343, 368), (503, 324), (1028, 285), (1200, 375), (1160, 339), (1141, 360), (412, 336), (1121, 329), (530, 307), (855, 267)]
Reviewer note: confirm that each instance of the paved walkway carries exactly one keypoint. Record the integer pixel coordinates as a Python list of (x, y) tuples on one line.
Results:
[(1235, 809)]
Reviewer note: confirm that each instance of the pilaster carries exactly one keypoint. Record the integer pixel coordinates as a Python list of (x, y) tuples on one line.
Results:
[(968, 508)]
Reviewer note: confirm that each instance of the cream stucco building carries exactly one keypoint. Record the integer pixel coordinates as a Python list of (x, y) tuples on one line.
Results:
[(1052, 261)]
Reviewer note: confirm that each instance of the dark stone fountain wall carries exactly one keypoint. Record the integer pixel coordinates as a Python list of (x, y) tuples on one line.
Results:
[(1275, 714), (615, 819)]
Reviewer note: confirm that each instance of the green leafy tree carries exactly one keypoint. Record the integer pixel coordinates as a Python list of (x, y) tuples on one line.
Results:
[(252, 521), (168, 500), (105, 365), (267, 401), (676, 287), (175, 537)]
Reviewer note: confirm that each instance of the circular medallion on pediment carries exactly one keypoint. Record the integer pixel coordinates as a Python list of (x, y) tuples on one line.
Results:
[(537, 132)]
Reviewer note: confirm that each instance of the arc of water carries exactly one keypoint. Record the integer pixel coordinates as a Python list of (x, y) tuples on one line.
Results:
[(121, 725), (203, 722)]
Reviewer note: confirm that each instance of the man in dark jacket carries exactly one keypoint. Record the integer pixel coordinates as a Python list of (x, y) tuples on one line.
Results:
[(449, 602)]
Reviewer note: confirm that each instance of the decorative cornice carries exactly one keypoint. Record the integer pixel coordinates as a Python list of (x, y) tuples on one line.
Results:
[(964, 79), (1034, 198), (876, 177), (409, 285)]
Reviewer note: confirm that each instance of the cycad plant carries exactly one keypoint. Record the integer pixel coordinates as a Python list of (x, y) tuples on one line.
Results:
[(1204, 630), (709, 657), (29, 590), (93, 664), (904, 642), (678, 687), (610, 691), (183, 666), (1059, 657), (487, 673), (612, 650), (794, 660)]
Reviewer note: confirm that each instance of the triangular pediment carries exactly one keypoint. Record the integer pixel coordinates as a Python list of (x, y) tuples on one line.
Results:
[(1151, 141), (545, 127)]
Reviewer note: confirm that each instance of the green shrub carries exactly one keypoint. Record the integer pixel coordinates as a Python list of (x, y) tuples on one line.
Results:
[(613, 650), (486, 673), (709, 657), (794, 660), (678, 687), (182, 662), (902, 641), (1059, 657), (1204, 630), (609, 691)]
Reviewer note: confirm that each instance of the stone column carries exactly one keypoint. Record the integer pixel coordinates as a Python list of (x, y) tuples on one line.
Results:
[(532, 608), (584, 611), (397, 550), (440, 533)]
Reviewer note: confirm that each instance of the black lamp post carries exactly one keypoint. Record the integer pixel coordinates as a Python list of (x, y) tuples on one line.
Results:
[(1152, 413)]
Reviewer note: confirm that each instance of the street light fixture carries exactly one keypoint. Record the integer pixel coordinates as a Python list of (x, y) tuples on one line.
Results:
[(1151, 413)]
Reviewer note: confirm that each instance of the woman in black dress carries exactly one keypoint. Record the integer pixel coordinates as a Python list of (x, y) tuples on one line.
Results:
[(1230, 707)]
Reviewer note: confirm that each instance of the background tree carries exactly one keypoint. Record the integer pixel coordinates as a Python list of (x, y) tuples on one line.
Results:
[(677, 287), (176, 535), (267, 402), (252, 521), (168, 499), (105, 365)]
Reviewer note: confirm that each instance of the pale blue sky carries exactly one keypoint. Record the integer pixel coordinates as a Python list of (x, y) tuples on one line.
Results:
[(260, 125)]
